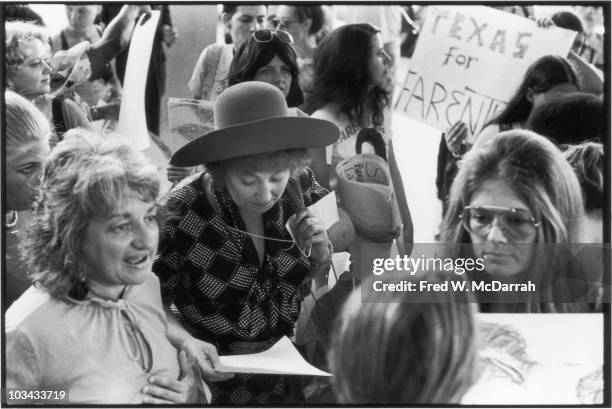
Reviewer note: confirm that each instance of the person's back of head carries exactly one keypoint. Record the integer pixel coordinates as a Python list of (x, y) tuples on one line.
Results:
[(389, 350), (587, 161), (314, 13), (569, 119), (22, 12), (567, 20), (544, 74)]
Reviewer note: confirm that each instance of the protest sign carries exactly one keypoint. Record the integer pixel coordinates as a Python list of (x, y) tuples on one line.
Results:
[(469, 61)]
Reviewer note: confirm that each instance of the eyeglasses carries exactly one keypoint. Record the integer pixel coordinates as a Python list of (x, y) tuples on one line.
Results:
[(517, 224), (265, 36)]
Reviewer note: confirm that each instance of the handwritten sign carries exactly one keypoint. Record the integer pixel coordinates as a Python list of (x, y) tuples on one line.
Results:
[(469, 61)]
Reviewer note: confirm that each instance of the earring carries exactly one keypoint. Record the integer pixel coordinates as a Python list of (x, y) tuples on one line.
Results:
[(81, 274)]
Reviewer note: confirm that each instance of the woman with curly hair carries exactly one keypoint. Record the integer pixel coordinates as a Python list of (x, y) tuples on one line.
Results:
[(351, 89), (93, 324)]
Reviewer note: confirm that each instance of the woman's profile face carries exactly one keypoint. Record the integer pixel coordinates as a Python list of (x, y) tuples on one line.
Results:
[(276, 73), (82, 16), (33, 77), (23, 173), (501, 227), (256, 192), (245, 20), (288, 22), (378, 64), (118, 249)]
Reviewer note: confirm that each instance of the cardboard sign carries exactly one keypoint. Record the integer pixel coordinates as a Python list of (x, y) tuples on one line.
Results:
[(132, 119), (469, 61)]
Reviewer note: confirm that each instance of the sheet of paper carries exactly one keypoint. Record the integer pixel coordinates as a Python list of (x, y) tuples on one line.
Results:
[(132, 120), (341, 262), (281, 358), (326, 210)]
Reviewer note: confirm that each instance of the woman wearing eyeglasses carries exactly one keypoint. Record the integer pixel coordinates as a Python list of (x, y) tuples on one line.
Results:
[(517, 205), (268, 56), (351, 89)]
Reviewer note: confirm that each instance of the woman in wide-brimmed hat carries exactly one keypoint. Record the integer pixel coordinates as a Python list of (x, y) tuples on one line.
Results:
[(230, 271)]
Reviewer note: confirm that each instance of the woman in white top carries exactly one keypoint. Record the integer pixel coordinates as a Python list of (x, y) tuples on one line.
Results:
[(93, 326), (209, 76), (352, 90)]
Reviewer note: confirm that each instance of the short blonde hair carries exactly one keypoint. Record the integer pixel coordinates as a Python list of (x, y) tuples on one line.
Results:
[(394, 349), (85, 177), (18, 33), (24, 123)]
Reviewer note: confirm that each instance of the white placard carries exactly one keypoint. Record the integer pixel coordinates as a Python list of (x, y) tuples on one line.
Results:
[(132, 118), (469, 61), (281, 358)]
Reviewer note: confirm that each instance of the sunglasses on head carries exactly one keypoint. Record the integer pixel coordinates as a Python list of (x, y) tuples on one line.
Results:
[(265, 36), (517, 224)]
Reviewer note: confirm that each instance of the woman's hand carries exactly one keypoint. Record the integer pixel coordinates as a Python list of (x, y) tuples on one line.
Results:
[(309, 231), (169, 35), (544, 22), (163, 390), (456, 137), (206, 356)]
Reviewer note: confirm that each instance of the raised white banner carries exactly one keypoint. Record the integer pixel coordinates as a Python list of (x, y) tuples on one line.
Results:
[(132, 119), (469, 61)]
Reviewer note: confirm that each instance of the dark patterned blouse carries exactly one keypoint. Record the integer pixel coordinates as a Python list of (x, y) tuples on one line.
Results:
[(211, 279)]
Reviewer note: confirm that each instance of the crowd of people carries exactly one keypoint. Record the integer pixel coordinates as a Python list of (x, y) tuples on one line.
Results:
[(119, 293)]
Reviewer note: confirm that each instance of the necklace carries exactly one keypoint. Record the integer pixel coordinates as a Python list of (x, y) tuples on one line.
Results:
[(293, 243), (11, 219)]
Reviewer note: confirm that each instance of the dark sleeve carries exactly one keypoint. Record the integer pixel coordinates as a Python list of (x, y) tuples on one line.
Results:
[(100, 55), (165, 17), (311, 189), (169, 261), (442, 157)]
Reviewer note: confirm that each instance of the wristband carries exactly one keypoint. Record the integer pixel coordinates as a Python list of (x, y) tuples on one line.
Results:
[(328, 260)]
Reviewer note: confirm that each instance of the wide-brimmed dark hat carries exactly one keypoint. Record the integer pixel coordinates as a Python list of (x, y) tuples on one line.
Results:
[(250, 118)]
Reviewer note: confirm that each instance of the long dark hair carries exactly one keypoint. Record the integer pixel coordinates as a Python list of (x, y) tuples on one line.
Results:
[(342, 77), (252, 55), (541, 76)]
